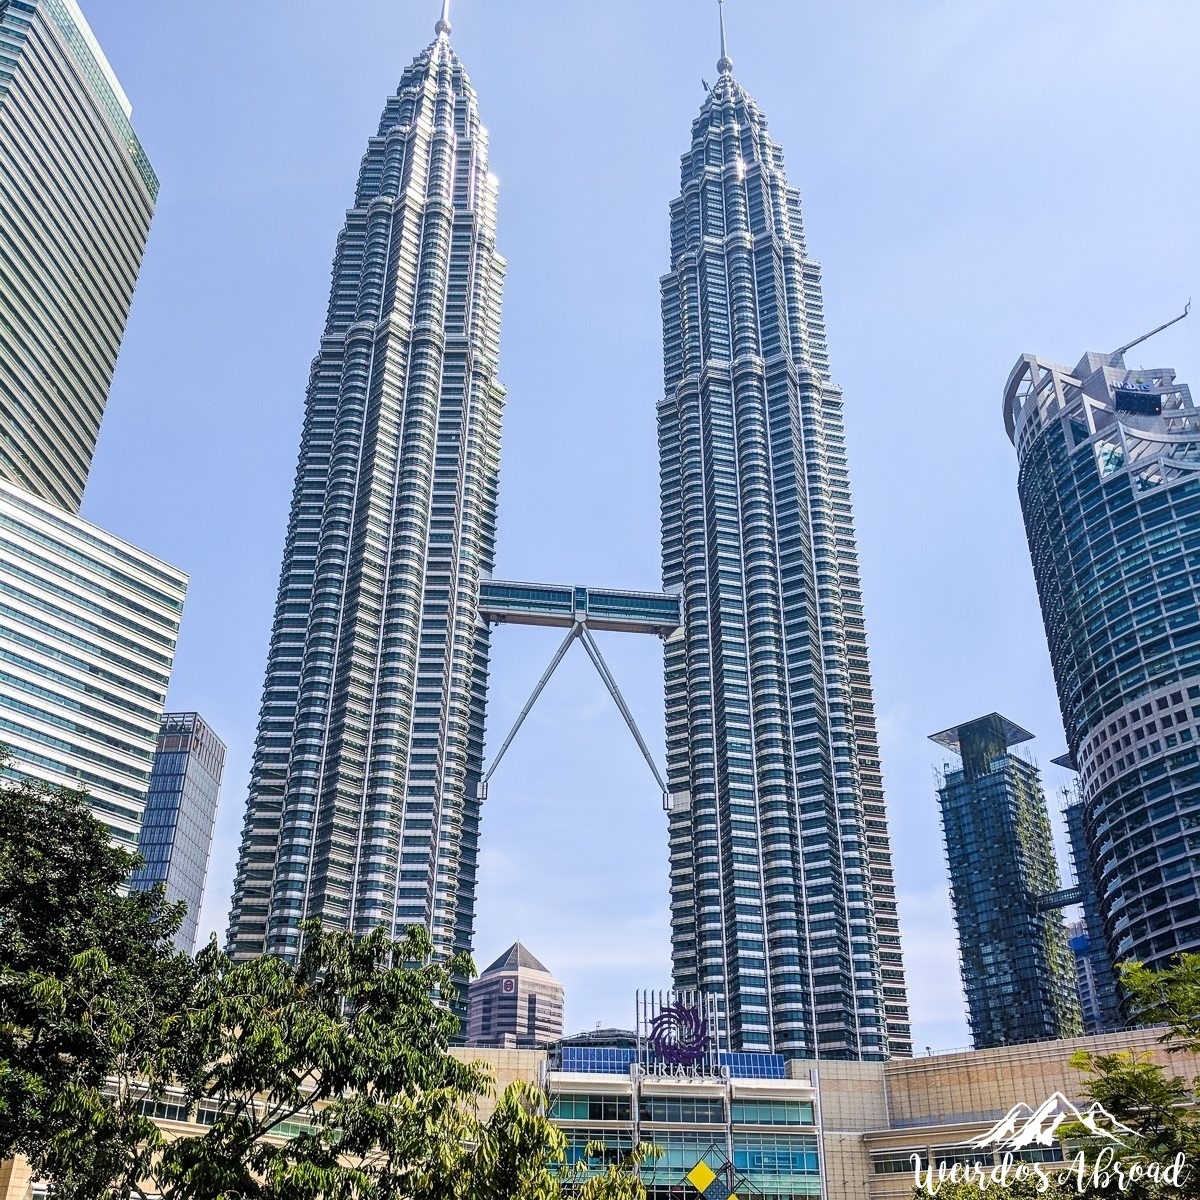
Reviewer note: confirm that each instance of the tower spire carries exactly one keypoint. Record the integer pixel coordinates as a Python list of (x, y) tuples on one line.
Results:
[(724, 63), (442, 28)]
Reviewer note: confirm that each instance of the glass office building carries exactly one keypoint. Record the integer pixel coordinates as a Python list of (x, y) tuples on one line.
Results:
[(1018, 972), (1109, 484), (364, 804), (782, 894), (181, 811), (88, 626), (747, 1129), (76, 197)]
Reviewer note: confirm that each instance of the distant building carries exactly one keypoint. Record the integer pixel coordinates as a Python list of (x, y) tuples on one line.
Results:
[(1109, 484), (181, 812), (1085, 977), (1099, 994), (1017, 970), (88, 626), (515, 1003), (76, 197)]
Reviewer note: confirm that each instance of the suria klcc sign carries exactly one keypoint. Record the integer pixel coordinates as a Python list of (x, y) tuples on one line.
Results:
[(678, 1036)]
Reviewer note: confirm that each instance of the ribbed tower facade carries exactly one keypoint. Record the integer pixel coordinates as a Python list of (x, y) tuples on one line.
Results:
[(363, 805), (783, 900)]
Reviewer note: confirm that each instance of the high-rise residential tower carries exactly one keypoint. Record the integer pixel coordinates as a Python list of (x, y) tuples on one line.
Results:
[(181, 812), (1018, 972), (76, 197), (783, 900), (1109, 484), (363, 805)]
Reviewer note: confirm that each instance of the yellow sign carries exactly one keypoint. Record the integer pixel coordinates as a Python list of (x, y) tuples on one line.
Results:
[(700, 1176)]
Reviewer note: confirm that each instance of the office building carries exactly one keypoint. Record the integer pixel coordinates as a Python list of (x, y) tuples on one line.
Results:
[(181, 812), (88, 626), (76, 197), (364, 805), (782, 893), (1109, 484), (1018, 973), (515, 1003)]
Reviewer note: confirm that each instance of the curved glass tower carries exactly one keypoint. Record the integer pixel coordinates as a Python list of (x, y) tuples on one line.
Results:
[(783, 901), (363, 804), (1110, 490)]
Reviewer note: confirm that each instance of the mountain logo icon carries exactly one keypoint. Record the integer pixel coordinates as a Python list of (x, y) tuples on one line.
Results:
[(1022, 1126)]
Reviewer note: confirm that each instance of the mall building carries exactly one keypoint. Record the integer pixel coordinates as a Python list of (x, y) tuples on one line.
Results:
[(757, 1126)]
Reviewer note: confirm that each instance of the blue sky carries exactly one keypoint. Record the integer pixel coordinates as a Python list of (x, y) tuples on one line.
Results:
[(980, 179)]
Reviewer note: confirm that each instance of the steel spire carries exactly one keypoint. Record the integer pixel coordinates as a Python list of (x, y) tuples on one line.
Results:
[(725, 63), (442, 28)]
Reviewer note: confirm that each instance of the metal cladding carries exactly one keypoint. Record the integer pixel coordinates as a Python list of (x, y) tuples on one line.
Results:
[(364, 806), (1109, 484), (783, 899)]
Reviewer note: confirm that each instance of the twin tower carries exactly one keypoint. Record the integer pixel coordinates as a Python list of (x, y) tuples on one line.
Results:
[(367, 778)]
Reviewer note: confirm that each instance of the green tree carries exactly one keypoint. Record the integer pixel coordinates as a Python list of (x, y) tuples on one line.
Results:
[(1144, 1095), (325, 1079), (91, 987)]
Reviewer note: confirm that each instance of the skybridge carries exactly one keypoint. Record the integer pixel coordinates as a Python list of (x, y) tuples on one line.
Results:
[(580, 611)]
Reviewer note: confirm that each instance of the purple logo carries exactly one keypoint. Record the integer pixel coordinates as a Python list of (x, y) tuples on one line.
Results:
[(679, 1035)]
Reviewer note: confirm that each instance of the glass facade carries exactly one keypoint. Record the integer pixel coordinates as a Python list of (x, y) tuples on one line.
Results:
[(88, 627), (1109, 484), (364, 793), (76, 198), (181, 811), (758, 1135), (782, 893), (1018, 972), (1095, 978)]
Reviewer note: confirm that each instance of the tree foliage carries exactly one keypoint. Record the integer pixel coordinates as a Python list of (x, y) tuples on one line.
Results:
[(90, 984), (329, 1078)]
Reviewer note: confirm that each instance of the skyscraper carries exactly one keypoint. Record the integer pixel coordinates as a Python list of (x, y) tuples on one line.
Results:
[(783, 899), (1109, 484), (88, 627), (363, 805), (76, 197), (515, 1002), (88, 623), (1018, 972), (181, 811)]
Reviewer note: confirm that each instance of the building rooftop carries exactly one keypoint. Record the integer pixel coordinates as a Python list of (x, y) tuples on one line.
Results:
[(515, 958), (993, 724)]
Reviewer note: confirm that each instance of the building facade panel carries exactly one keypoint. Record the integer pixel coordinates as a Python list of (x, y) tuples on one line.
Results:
[(76, 197), (88, 628)]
